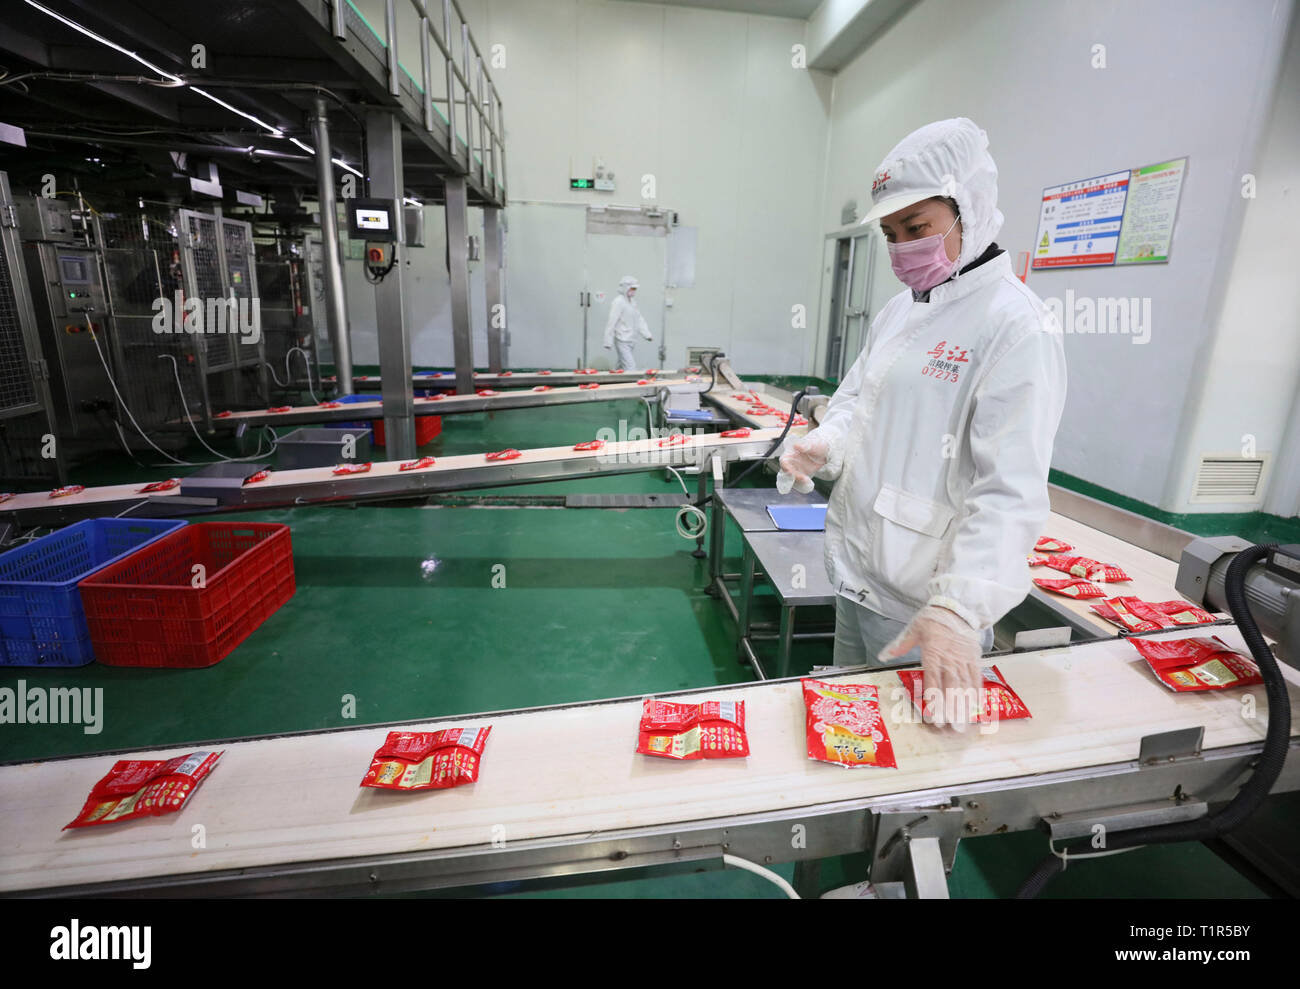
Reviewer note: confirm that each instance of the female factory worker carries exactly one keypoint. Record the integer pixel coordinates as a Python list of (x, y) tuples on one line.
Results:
[(940, 436), (624, 320)]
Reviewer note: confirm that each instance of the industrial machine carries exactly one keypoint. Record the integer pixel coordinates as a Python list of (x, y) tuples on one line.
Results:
[(73, 320), (27, 419)]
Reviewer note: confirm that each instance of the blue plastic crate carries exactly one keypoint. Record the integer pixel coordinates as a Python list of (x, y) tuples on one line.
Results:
[(42, 622)]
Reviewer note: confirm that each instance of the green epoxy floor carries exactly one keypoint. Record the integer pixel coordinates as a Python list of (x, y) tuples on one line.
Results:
[(596, 603)]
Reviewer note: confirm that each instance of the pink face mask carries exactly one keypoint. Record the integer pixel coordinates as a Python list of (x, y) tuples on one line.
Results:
[(922, 264)]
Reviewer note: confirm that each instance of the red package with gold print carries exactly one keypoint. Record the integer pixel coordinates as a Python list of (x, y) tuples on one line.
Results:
[(844, 725), (1088, 569), (144, 788), (1202, 663), (1071, 587), (1001, 703), (1137, 615), (712, 730), (427, 760), (1049, 545)]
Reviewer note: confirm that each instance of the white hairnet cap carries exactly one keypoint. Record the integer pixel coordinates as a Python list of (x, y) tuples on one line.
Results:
[(627, 282), (948, 158)]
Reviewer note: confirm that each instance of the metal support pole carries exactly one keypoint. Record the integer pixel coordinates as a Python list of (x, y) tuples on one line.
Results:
[(462, 340), (451, 79), (390, 42), (384, 149), (336, 302), (498, 335)]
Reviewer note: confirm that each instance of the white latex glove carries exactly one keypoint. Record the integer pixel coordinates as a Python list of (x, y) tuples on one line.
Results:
[(800, 462), (950, 664)]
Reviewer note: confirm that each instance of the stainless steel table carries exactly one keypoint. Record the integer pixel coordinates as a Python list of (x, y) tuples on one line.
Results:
[(791, 561)]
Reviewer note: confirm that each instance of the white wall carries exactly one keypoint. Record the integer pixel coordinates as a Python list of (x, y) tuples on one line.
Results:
[(1248, 377), (1182, 77), (705, 101)]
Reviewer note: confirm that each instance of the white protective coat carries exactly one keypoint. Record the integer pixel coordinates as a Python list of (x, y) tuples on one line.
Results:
[(941, 433), (625, 320)]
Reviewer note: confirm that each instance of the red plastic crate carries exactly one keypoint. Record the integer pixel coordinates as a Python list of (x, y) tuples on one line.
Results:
[(145, 611), (426, 428)]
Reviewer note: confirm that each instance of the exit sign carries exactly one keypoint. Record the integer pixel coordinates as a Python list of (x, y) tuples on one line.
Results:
[(582, 183)]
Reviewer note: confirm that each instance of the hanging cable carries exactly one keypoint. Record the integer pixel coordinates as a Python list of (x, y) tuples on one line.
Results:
[(758, 870)]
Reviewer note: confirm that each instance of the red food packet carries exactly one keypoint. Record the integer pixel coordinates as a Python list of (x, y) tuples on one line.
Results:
[(279, 408), (1133, 614), (487, 392), (543, 387), (166, 485), (1203, 663), (504, 455), (1046, 544), (505, 374), (1001, 703), (589, 445), (1088, 569), (643, 381), (331, 405), (712, 730), (1071, 587), (435, 398), (844, 725), (693, 370), (5, 496), (223, 415), (261, 475), (594, 384), (67, 489), (144, 788), (1036, 561), (543, 372), (676, 439), (420, 464), (1184, 613), (352, 468), (427, 760), (736, 434)]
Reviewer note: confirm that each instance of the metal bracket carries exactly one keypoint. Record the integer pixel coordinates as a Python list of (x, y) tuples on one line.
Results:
[(8, 215), (1170, 746), (1081, 823), (893, 858), (1042, 638), (926, 878)]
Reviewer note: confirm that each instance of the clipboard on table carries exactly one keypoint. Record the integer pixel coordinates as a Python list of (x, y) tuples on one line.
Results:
[(798, 518)]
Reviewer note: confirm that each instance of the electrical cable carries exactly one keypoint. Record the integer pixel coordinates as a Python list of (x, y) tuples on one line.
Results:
[(740, 863)]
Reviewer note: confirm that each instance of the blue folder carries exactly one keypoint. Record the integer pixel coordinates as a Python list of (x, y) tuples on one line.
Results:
[(806, 518)]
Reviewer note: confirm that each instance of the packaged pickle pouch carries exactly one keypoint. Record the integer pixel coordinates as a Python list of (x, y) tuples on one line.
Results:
[(144, 788), (1071, 587), (1137, 615), (1049, 545), (1088, 569), (1001, 703), (712, 730), (427, 760), (844, 725), (1203, 663)]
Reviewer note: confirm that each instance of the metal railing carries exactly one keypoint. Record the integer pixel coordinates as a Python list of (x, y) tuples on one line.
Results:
[(469, 86)]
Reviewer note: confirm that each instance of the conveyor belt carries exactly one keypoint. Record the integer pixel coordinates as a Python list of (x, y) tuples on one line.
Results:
[(513, 379), (289, 809), (385, 480), (1153, 575), (451, 405)]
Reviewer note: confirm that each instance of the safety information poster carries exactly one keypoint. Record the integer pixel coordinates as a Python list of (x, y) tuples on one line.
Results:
[(1149, 216), (1079, 222)]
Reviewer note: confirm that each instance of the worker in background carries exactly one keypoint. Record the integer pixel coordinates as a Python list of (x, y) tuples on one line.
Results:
[(940, 436), (625, 320)]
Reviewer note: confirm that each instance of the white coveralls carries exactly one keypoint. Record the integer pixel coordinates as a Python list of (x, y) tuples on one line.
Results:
[(940, 439), (625, 320)]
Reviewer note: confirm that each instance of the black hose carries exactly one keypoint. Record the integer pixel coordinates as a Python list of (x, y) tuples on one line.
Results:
[(776, 445), (1267, 769)]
